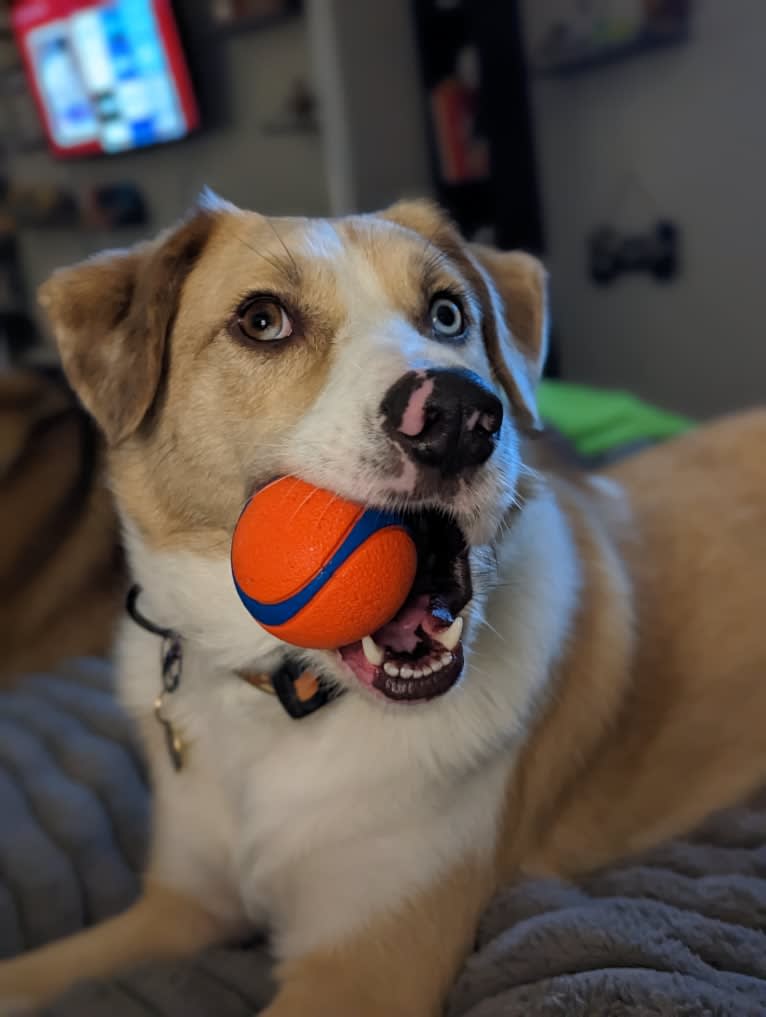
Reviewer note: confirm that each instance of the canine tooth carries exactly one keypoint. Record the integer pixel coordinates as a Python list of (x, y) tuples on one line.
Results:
[(446, 658), (391, 669), (372, 651), (406, 672), (451, 637)]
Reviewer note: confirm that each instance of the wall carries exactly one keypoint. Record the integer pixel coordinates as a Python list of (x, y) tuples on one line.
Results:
[(373, 107), (689, 123), (272, 173)]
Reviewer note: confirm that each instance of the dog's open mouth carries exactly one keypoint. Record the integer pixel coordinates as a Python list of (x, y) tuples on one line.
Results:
[(418, 655)]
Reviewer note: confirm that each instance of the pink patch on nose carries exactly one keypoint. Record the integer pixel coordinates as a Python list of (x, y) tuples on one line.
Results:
[(472, 421), (414, 417)]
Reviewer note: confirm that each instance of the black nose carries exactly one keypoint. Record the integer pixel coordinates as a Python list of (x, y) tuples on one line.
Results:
[(449, 419)]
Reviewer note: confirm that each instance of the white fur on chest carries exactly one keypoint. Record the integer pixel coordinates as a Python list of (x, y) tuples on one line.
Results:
[(316, 825)]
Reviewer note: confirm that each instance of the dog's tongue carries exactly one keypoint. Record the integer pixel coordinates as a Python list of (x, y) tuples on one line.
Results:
[(424, 612)]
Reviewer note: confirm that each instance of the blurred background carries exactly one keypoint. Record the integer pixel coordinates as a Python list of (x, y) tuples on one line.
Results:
[(623, 140)]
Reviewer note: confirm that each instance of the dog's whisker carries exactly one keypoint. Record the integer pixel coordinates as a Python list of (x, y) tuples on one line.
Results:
[(335, 498), (272, 446), (294, 273), (477, 670), (485, 623), (312, 492), (357, 364), (430, 251), (273, 262)]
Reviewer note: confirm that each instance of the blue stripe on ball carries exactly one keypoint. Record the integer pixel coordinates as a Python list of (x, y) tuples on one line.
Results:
[(370, 522)]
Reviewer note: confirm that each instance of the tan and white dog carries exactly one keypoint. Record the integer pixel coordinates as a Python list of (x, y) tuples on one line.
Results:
[(613, 690)]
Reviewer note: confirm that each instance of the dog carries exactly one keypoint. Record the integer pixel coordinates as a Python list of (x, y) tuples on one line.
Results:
[(596, 645), (62, 578)]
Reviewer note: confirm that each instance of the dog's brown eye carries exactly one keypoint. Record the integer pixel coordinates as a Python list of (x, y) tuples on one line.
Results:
[(264, 320)]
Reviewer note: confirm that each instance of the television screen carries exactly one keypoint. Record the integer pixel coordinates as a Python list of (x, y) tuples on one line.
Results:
[(107, 76)]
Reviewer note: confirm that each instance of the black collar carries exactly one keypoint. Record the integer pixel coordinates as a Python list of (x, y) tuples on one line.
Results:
[(299, 691)]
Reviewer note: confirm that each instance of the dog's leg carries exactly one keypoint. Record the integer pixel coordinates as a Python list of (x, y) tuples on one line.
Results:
[(400, 965), (162, 924)]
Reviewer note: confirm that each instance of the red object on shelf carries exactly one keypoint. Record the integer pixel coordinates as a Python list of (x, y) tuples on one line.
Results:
[(107, 75), (463, 155)]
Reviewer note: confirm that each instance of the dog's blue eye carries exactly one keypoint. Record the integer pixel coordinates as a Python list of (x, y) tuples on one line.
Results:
[(446, 318)]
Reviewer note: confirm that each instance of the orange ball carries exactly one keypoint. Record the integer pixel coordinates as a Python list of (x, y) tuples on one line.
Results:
[(318, 571)]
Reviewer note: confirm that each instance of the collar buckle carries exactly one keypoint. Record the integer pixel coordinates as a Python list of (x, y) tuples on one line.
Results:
[(299, 691)]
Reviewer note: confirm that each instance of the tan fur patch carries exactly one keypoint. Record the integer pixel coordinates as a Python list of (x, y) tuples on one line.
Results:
[(402, 964), (112, 316), (655, 717), (61, 575)]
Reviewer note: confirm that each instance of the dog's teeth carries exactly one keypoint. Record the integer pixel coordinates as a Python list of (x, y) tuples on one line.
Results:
[(372, 651), (391, 669), (446, 658), (451, 637), (406, 672), (427, 670), (417, 673)]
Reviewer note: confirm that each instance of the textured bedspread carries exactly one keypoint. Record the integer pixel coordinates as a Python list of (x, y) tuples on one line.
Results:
[(680, 932)]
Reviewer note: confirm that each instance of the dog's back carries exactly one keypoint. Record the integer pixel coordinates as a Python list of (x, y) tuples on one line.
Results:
[(60, 573), (665, 675)]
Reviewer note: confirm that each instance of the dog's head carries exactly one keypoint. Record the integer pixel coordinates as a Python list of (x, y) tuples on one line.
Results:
[(380, 356)]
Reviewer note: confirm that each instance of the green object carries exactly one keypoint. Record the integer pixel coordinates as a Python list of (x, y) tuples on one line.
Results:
[(599, 420)]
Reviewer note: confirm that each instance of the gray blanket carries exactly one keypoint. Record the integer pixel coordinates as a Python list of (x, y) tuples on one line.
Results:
[(681, 931)]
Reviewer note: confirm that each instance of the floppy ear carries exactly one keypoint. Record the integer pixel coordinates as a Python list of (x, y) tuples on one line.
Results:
[(518, 345), (111, 316), (511, 285)]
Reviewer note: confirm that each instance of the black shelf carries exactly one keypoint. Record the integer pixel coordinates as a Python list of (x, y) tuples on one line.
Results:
[(588, 58), (257, 22)]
